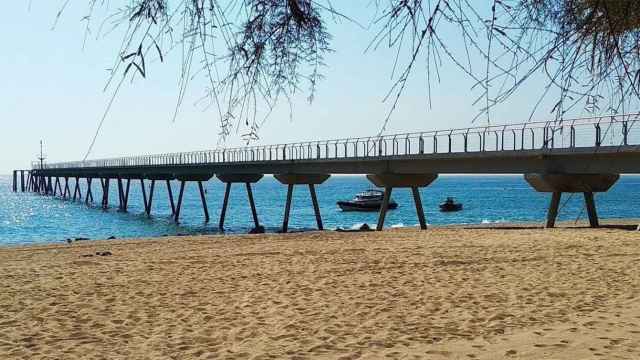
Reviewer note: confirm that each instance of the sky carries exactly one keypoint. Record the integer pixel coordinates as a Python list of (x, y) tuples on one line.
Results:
[(52, 90)]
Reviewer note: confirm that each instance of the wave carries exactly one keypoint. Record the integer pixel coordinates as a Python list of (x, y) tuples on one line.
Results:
[(487, 221)]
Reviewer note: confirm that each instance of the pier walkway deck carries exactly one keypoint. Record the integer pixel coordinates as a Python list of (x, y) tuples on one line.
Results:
[(579, 155)]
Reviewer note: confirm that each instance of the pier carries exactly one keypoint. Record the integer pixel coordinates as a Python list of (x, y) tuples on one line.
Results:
[(584, 155)]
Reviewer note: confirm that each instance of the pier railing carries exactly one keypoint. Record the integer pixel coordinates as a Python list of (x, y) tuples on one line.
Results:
[(613, 130)]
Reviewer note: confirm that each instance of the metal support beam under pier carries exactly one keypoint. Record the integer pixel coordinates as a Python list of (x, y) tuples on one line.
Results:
[(390, 181), (247, 179), (301, 179), (198, 177), (571, 183)]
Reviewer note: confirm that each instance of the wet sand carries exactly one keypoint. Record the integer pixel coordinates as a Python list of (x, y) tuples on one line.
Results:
[(440, 294)]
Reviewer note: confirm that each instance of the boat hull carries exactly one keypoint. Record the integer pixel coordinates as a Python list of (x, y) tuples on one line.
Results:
[(352, 206), (450, 208)]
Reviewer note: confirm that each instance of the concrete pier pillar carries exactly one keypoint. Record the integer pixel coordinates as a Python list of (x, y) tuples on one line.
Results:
[(591, 209), (15, 180), (384, 207), (254, 212), (59, 186), (120, 194), (49, 185), (247, 179), (89, 193), (105, 192), (571, 183), (144, 194), (225, 203), (76, 191), (66, 188), (301, 179), (316, 206), (552, 214), (22, 181), (204, 202), (29, 181), (287, 209), (126, 195), (176, 216), (148, 201), (170, 194), (389, 181), (419, 208)]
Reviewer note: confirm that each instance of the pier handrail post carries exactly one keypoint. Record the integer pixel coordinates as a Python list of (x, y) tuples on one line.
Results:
[(466, 140), (533, 138), (435, 142), (407, 145)]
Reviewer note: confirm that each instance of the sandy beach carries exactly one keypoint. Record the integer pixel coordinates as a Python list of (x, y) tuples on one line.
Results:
[(439, 294)]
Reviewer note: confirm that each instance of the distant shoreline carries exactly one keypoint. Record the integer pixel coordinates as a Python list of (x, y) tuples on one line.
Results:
[(629, 224)]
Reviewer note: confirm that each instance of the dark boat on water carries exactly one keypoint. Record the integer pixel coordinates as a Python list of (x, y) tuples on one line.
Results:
[(370, 200), (450, 205)]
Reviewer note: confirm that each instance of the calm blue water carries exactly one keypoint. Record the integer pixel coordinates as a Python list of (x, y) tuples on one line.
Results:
[(27, 218)]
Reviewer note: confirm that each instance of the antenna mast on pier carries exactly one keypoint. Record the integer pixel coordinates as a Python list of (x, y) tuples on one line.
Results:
[(41, 157)]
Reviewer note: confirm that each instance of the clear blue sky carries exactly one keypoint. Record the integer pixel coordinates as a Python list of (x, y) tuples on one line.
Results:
[(52, 90)]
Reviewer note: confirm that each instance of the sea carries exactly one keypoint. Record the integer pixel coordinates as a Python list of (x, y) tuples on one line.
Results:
[(27, 218)]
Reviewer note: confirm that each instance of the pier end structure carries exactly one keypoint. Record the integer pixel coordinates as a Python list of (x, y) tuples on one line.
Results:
[(389, 181), (311, 180), (556, 184), (18, 180)]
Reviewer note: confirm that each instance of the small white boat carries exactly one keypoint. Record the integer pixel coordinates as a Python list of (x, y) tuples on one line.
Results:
[(370, 200)]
